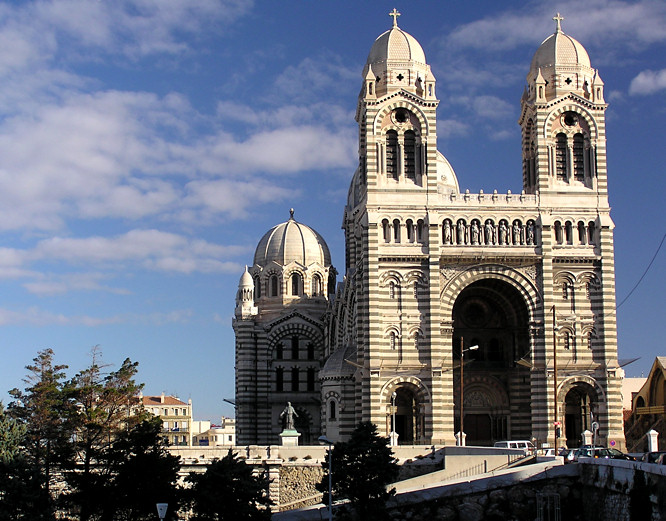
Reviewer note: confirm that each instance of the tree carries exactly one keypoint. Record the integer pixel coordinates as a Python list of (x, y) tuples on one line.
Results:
[(228, 490), (144, 473), (106, 407), (21, 493), (362, 469), (44, 409)]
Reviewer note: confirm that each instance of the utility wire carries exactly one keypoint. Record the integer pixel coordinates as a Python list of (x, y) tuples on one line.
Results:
[(644, 273)]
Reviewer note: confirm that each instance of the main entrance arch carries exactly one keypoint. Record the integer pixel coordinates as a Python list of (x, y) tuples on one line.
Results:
[(492, 314)]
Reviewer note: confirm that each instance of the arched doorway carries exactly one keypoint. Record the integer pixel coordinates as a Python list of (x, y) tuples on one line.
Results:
[(493, 315), (407, 418), (579, 407)]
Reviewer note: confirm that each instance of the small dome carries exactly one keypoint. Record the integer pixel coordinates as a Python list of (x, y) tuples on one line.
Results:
[(246, 280), (337, 366), (446, 178), (292, 241), (396, 45), (559, 49)]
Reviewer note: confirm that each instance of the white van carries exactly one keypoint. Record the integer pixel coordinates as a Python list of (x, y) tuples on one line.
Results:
[(525, 445)]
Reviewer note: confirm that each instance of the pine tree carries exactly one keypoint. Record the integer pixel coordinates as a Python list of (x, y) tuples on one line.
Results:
[(362, 469), (228, 491)]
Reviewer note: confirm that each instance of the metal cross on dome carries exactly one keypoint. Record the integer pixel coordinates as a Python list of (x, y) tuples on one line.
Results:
[(395, 15), (558, 20)]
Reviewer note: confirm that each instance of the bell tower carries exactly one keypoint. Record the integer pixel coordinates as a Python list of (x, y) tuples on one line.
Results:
[(563, 121)]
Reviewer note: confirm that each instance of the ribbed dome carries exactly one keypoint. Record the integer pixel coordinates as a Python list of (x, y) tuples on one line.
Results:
[(336, 366), (396, 45), (292, 241), (559, 49)]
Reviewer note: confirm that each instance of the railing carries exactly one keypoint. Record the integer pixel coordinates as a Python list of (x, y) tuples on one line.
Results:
[(482, 468), (653, 409)]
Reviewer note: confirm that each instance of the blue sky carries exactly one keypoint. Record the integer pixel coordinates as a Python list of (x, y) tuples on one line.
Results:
[(147, 145)]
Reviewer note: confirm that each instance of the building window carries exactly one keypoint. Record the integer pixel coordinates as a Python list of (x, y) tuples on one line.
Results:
[(274, 286), (294, 347), (578, 157), (311, 379), (419, 230), (311, 351), (316, 286), (279, 351), (257, 287), (332, 410), (296, 284), (410, 230), (396, 230), (568, 230), (279, 379), (392, 154), (581, 232), (392, 340), (391, 290), (416, 289), (386, 229), (561, 157), (565, 291), (410, 155), (590, 232), (294, 378), (416, 340)]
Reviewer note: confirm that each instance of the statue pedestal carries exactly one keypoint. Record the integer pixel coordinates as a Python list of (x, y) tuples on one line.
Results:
[(289, 438)]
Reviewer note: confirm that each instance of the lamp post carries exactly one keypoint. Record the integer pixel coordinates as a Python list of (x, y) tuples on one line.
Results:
[(325, 441), (393, 431), (162, 510), (461, 442)]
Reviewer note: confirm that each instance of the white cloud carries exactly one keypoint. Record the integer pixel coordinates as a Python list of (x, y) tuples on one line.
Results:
[(648, 82), (448, 128)]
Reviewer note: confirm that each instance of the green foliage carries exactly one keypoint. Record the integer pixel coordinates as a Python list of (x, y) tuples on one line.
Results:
[(21, 492), (228, 491), (362, 468)]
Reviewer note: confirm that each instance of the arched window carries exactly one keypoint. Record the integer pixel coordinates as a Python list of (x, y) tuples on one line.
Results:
[(311, 351), (391, 290), (561, 157), (566, 340), (416, 289), (294, 347), (590, 232), (279, 351), (410, 230), (558, 232), (332, 410), (257, 287), (565, 291), (279, 379), (419, 230), (274, 286), (578, 157), (311, 379), (581, 232), (416, 340), (296, 284), (392, 340), (386, 230), (568, 231), (316, 286), (294, 378), (396, 230), (392, 154), (410, 155)]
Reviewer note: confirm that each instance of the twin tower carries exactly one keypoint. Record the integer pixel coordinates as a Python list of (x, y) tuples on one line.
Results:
[(527, 280)]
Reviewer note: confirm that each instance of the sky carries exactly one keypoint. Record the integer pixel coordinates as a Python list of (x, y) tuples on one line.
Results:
[(147, 145)]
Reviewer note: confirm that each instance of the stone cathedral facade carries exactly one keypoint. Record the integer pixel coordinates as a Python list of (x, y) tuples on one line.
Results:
[(431, 270)]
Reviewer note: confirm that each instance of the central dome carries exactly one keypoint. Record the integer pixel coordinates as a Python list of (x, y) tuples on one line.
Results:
[(292, 241), (396, 45)]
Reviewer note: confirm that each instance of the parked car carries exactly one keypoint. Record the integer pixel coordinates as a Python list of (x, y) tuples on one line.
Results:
[(525, 445), (613, 454), (585, 451), (564, 452), (653, 457)]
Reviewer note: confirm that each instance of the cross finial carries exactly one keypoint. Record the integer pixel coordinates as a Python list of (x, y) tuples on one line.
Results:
[(291, 213), (395, 15), (558, 20)]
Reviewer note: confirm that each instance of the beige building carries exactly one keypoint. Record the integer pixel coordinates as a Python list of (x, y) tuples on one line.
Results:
[(176, 417), (528, 277)]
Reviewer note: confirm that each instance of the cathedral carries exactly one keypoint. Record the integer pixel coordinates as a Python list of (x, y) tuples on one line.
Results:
[(487, 314)]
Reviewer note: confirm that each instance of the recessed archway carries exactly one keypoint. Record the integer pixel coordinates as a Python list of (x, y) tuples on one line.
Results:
[(493, 315)]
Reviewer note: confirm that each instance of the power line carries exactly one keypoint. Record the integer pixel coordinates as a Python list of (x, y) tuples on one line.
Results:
[(644, 273)]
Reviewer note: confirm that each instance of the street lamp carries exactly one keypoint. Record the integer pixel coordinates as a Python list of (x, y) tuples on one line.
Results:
[(393, 431), (461, 441), (162, 510), (325, 441)]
